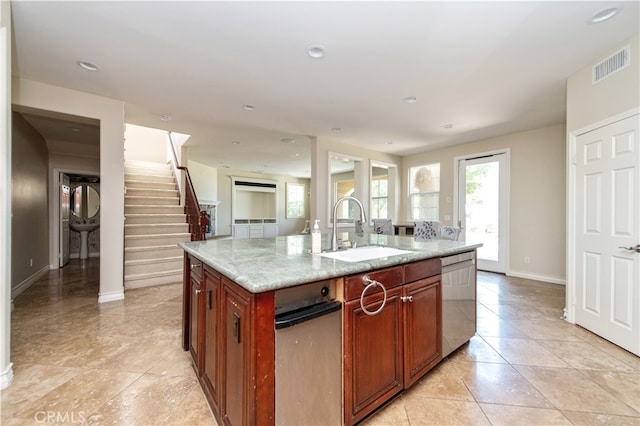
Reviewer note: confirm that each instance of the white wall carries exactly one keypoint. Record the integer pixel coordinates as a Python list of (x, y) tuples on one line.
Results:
[(110, 112), (620, 92), (6, 369), (537, 196), (145, 144), (205, 181)]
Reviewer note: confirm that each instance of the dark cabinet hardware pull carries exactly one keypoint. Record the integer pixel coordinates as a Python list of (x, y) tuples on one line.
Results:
[(236, 327)]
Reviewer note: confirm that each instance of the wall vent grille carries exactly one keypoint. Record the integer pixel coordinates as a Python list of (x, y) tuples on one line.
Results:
[(611, 65)]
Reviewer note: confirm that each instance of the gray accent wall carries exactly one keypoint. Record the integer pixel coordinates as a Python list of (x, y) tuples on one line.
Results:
[(30, 209)]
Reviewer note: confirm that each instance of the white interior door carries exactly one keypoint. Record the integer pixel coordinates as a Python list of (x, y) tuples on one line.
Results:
[(65, 198), (607, 212), (482, 207)]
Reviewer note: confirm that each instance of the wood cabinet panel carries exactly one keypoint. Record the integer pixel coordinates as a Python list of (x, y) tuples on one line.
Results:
[(373, 354), (422, 328), (387, 352), (192, 270), (236, 318), (389, 277), (422, 269), (196, 326), (247, 364), (210, 346)]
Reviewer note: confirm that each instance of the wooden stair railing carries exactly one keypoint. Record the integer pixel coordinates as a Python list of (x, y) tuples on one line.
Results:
[(196, 217)]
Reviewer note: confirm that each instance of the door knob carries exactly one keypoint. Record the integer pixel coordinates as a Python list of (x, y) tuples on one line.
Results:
[(636, 248)]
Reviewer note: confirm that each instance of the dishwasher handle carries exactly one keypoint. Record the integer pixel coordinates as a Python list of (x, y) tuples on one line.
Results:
[(288, 319), (456, 266)]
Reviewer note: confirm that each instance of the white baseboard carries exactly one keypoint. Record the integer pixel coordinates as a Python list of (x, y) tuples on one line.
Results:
[(6, 377), (538, 277), (111, 296), (20, 288)]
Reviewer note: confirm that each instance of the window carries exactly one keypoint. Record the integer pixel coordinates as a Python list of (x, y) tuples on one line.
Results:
[(295, 201), (346, 210), (424, 192), (379, 193)]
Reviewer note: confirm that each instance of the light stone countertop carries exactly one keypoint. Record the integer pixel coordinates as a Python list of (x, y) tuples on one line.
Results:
[(265, 264)]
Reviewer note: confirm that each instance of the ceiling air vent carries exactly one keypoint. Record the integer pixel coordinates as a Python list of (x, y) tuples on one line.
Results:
[(611, 65)]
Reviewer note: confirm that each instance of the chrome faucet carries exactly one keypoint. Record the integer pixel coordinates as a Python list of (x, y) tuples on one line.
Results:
[(363, 219)]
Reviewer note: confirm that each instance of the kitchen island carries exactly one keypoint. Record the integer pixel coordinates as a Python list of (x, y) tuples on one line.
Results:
[(280, 336)]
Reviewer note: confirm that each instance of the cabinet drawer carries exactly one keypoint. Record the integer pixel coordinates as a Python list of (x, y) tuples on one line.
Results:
[(422, 269), (195, 266), (390, 278)]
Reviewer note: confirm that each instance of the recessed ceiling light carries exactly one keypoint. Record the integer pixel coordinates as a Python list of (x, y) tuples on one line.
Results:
[(165, 117), (74, 129), (87, 66), (410, 99), (315, 51), (298, 154), (287, 140), (603, 15), (235, 142), (337, 129), (388, 142), (248, 107), (448, 125)]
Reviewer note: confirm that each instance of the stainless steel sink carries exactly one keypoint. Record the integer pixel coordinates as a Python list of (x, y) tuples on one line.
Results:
[(361, 254)]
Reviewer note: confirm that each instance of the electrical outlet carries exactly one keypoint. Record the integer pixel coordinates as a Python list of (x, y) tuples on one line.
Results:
[(527, 259)]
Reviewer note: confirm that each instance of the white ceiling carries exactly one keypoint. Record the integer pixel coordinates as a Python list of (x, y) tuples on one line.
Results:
[(488, 68)]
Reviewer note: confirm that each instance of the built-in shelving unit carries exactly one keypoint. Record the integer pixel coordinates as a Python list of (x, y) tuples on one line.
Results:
[(254, 207)]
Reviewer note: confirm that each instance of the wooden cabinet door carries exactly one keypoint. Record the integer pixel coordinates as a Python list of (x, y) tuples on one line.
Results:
[(235, 338), (196, 338), (210, 346), (422, 328), (373, 354)]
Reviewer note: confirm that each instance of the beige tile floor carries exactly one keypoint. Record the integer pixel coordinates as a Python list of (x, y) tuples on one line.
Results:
[(77, 362)]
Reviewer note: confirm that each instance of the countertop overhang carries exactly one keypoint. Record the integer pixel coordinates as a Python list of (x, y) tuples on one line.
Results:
[(266, 264)]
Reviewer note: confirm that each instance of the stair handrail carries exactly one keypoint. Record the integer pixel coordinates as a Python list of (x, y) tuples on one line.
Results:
[(173, 157), (196, 217)]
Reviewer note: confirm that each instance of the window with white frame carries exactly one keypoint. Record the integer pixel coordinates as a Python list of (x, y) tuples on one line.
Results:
[(424, 192), (379, 192), (295, 201)]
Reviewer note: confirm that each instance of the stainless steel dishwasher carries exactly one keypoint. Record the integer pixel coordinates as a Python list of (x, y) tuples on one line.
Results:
[(308, 328), (458, 300)]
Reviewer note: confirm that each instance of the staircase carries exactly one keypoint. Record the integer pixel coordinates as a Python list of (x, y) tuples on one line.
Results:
[(155, 223)]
